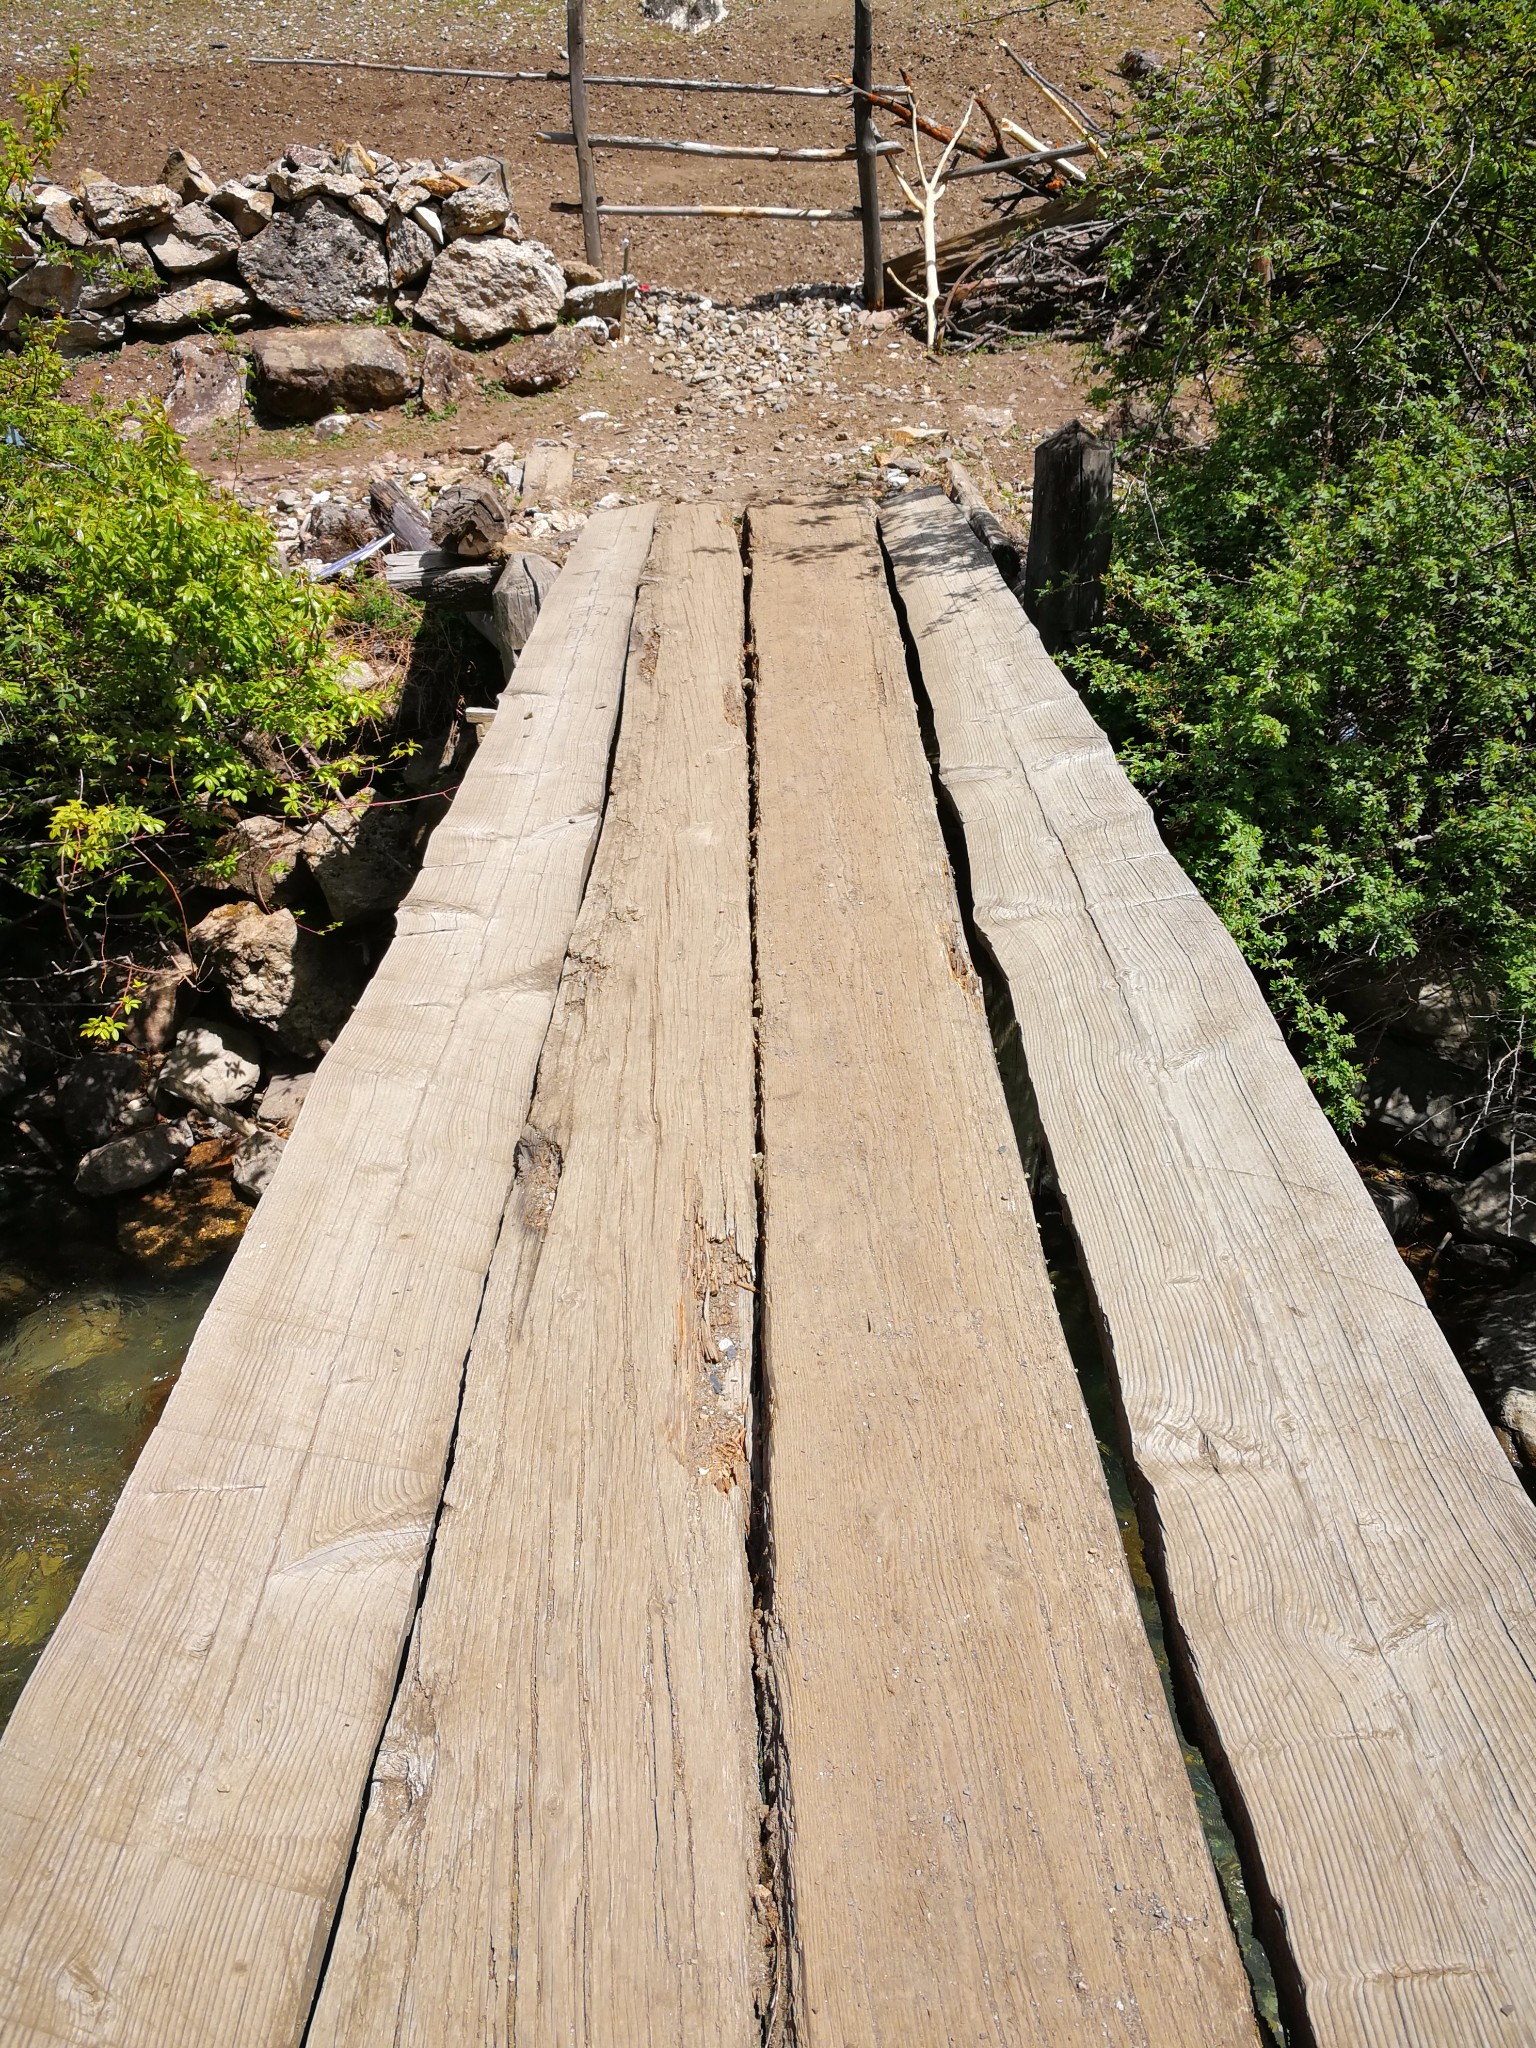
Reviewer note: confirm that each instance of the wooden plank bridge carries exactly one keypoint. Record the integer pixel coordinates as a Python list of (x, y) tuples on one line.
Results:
[(627, 1560)]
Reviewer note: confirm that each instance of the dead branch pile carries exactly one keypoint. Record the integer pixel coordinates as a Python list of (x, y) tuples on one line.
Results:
[(1052, 278)]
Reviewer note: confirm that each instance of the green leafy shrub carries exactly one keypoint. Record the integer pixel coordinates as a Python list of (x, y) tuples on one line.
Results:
[(1319, 655), (158, 669)]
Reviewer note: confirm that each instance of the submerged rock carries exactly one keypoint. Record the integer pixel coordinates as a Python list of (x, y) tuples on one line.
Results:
[(174, 1228)]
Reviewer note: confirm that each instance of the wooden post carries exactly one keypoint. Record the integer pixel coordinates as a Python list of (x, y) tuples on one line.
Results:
[(1069, 534), (864, 144), (586, 176)]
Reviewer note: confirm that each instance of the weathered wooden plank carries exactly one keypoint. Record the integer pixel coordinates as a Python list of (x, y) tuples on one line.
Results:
[(991, 1837), (181, 1782), (562, 1843), (1348, 1555)]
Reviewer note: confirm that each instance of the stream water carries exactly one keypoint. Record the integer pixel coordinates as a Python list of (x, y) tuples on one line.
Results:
[(90, 1346)]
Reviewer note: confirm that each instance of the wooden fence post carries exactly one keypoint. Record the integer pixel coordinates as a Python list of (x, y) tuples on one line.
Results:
[(1069, 534), (869, 162), (586, 176)]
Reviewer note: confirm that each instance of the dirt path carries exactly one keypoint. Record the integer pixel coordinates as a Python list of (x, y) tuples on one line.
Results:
[(177, 75)]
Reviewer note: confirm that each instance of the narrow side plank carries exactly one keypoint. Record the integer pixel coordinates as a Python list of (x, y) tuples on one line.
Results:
[(181, 1782), (991, 1837), (1350, 1558), (562, 1842)]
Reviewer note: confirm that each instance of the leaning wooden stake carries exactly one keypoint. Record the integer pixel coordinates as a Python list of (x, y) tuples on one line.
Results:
[(586, 175), (928, 206), (866, 147)]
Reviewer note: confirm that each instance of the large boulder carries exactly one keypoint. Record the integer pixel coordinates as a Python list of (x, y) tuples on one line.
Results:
[(126, 209), (483, 291), (207, 384), (209, 300), (299, 985), (363, 855), (1500, 1205), (317, 263), (305, 372), (212, 1067), (194, 239), (122, 1165)]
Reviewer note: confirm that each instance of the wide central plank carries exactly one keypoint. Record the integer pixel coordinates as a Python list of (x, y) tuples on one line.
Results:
[(990, 1835), (181, 1781), (562, 1842)]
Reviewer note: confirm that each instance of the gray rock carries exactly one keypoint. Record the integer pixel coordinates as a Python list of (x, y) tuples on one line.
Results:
[(1500, 1205), (429, 219), (207, 384), (126, 209), (1423, 1107), (254, 1164), (101, 1095), (85, 333), (317, 263), (283, 1099), (1398, 1207), (336, 530), (49, 286), (1434, 1006), (193, 240), (409, 249), (186, 177), (65, 223), (112, 272), (304, 373), (209, 299), (246, 209), (1504, 1345), (266, 861), (369, 209), (212, 1067), (301, 986), (477, 210), (123, 1164), (483, 291), (447, 377), (363, 856), (607, 300)]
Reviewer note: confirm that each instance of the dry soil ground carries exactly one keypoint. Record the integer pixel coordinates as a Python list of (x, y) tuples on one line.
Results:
[(179, 72)]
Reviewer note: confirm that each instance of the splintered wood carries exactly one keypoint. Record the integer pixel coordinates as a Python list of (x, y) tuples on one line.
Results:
[(991, 1837), (1349, 1557), (562, 1843), (181, 1781)]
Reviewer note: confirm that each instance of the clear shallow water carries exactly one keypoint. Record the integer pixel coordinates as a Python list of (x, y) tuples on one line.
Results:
[(90, 1346)]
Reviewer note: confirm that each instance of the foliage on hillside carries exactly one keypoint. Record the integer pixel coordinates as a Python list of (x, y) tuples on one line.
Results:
[(1319, 658), (159, 671)]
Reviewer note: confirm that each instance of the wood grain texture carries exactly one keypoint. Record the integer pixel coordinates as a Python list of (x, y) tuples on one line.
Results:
[(181, 1782), (562, 1843), (1349, 1556), (991, 1838)]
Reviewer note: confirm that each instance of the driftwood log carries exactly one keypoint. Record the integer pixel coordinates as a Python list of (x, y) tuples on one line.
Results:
[(1069, 534), (400, 513), (443, 579), (468, 521), (985, 524)]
